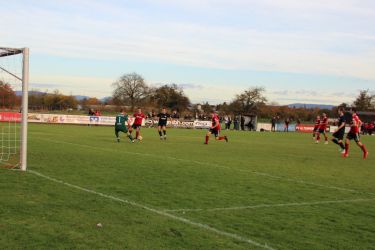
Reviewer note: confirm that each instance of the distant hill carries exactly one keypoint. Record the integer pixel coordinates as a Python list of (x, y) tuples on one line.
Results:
[(105, 99), (311, 106), (19, 93), (81, 97), (78, 97)]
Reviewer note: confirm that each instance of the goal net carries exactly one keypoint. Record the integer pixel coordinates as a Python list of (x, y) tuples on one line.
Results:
[(14, 74)]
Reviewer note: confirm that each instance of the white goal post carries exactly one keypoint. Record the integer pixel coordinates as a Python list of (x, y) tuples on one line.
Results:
[(14, 83)]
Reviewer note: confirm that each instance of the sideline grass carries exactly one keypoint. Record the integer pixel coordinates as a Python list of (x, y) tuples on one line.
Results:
[(182, 173)]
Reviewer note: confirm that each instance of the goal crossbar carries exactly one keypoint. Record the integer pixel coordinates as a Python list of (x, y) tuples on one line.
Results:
[(9, 51)]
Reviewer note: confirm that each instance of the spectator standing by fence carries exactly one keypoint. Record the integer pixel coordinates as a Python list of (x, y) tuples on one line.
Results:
[(286, 128), (235, 123), (242, 122), (273, 124)]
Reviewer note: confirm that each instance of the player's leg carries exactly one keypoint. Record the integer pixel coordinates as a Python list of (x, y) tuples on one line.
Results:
[(362, 146), (159, 131), (137, 130), (127, 132), (325, 137), (208, 136), (317, 136), (117, 134), (347, 141), (220, 138), (335, 139), (165, 132), (338, 140), (341, 140), (130, 129)]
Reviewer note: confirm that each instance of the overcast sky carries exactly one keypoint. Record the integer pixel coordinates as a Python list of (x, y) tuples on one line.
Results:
[(300, 50)]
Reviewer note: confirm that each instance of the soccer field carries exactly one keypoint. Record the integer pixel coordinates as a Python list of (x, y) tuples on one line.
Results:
[(258, 191)]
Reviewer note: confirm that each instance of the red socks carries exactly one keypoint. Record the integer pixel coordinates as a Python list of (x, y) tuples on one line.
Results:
[(136, 134), (346, 148), (221, 138), (207, 137)]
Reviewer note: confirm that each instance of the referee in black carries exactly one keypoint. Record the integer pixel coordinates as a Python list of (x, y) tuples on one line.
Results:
[(162, 124)]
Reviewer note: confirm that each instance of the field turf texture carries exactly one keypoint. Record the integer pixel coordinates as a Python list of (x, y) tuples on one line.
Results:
[(258, 191)]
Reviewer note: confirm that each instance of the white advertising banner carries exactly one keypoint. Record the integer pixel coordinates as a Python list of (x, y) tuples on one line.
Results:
[(107, 120), (202, 124)]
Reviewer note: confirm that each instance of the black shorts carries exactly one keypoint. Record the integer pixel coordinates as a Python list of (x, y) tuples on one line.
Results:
[(316, 129), (215, 131), (322, 131), (339, 135), (353, 136), (135, 126), (162, 124)]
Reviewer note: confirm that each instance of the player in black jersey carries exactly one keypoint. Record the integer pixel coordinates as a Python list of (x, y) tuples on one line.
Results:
[(162, 124), (338, 135)]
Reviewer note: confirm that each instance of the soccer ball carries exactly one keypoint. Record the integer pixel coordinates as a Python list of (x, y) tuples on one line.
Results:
[(140, 138)]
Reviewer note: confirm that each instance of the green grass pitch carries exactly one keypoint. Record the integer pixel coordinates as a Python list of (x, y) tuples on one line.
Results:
[(258, 191)]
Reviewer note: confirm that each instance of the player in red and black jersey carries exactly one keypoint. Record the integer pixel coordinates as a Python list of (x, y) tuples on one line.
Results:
[(338, 135), (322, 128), (138, 118), (316, 127), (215, 129), (354, 135)]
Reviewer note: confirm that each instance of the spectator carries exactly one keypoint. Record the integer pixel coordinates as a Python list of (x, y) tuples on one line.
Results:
[(242, 122), (371, 128), (235, 123), (226, 121), (250, 125), (175, 115), (286, 128), (229, 122), (273, 124), (91, 112), (97, 113)]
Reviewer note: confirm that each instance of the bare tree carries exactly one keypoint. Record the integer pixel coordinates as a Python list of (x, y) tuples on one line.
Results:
[(249, 101), (130, 89)]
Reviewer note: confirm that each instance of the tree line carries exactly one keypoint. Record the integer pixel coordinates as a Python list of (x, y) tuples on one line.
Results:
[(131, 91)]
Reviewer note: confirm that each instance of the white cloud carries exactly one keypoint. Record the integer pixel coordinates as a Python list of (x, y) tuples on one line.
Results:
[(110, 30)]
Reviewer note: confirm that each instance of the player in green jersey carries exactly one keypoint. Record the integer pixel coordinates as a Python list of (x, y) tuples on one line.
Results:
[(121, 125)]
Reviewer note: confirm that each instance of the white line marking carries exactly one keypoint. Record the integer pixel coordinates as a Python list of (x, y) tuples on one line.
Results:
[(270, 205), (218, 166), (159, 212)]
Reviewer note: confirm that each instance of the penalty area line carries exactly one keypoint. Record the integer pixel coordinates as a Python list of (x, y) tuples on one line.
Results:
[(155, 211), (294, 204)]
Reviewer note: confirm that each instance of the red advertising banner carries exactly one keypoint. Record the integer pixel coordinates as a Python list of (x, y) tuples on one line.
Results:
[(305, 128), (10, 117)]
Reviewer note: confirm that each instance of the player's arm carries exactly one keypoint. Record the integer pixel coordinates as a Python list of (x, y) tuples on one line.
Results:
[(359, 125)]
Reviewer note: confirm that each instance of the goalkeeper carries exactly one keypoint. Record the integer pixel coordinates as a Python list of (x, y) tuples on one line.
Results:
[(120, 125)]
